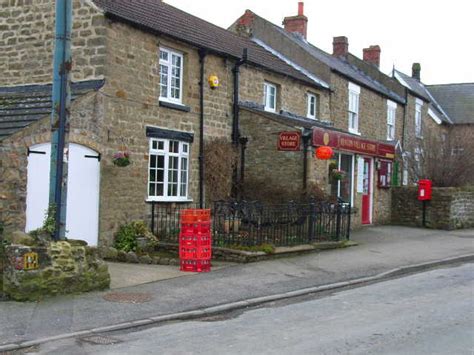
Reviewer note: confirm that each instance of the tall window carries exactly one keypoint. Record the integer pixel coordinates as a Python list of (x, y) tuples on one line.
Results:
[(354, 92), (270, 92), (391, 115), (418, 121), (312, 106), (168, 170), (171, 75)]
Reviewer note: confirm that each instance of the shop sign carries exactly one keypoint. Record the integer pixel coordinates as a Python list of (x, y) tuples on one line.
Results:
[(289, 141), (349, 143)]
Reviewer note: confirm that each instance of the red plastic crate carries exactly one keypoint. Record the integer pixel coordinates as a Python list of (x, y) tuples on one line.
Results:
[(196, 240), (195, 265), (202, 227), (194, 253), (195, 215)]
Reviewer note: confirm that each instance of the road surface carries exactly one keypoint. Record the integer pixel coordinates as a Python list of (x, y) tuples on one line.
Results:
[(426, 313)]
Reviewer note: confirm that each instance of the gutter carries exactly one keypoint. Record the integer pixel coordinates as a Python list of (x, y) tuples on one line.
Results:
[(202, 57)]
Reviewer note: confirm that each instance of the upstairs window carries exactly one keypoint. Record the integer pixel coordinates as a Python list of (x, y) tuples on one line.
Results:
[(312, 106), (270, 93), (391, 115), (171, 76), (418, 121), (168, 170), (354, 92)]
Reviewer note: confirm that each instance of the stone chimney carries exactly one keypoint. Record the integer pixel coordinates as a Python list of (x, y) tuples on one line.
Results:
[(415, 71), (372, 55), (340, 46), (297, 24)]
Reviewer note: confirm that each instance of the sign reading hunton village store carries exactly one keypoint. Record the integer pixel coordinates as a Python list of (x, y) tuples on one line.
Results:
[(289, 141), (346, 142)]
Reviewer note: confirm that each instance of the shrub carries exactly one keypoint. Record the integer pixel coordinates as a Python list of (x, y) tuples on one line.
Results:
[(127, 235)]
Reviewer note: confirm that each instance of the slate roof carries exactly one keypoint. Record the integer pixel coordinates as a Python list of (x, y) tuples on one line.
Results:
[(338, 64), (419, 89), (21, 106), (457, 100), (158, 17), (415, 86), (341, 66)]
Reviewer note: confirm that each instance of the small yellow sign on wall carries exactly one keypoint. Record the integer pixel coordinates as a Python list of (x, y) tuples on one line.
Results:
[(30, 261)]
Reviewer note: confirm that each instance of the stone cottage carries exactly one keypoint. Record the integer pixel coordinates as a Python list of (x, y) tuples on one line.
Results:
[(140, 78), (366, 113)]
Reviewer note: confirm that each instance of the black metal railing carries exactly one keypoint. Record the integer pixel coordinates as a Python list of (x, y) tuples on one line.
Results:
[(252, 223)]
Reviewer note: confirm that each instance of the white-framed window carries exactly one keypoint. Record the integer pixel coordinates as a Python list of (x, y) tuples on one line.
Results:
[(168, 170), (418, 121), (391, 117), (270, 97), (312, 106), (354, 93), (171, 76), (342, 188)]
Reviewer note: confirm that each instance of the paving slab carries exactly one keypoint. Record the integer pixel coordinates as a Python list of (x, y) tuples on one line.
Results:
[(126, 275)]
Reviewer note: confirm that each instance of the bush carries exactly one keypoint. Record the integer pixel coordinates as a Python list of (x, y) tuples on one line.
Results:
[(127, 235)]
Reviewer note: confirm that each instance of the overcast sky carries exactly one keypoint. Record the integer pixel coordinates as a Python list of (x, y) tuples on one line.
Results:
[(436, 33)]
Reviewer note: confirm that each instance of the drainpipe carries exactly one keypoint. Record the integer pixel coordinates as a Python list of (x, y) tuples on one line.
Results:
[(236, 188), (306, 137), (202, 56), (405, 113), (60, 115), (243, 146), (235, 122)]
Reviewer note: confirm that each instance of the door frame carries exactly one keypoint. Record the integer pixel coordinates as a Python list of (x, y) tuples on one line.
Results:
[(371, 190)]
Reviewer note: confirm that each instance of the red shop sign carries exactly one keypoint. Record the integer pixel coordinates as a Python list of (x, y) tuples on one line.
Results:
[(346, 142), (289, 141)]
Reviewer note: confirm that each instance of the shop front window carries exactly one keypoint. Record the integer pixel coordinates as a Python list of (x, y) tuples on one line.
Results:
[(341, 176)]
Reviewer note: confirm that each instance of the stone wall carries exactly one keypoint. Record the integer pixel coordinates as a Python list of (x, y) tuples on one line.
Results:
[(263, 161), (27, 41), (63, 268), (372, 111), (450, 208), (291, 94)]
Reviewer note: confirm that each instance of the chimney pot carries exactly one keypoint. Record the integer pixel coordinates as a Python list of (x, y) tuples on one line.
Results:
[(372, 55), (415, 71), (301, 8), (340, 46), (297, 24)]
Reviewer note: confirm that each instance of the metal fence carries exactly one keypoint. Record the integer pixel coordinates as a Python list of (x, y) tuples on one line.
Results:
[(253, 223)]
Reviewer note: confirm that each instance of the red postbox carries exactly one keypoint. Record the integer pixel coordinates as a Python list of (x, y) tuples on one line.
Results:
[(424, 190)]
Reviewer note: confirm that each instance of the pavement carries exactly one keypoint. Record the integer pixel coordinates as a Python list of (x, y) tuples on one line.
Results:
[(382, 252)]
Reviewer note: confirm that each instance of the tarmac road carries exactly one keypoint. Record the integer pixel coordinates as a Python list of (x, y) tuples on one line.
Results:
[(426, 313)]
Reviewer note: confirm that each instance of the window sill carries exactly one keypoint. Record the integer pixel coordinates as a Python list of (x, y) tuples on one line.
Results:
[(269, 110), (169, 200), (354, 132), (174, 106)]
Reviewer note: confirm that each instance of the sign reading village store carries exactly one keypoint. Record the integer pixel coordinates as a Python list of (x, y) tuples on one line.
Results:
[(346, 142), (289, 141)]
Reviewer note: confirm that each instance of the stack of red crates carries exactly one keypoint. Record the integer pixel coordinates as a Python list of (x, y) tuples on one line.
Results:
[(195, 240)]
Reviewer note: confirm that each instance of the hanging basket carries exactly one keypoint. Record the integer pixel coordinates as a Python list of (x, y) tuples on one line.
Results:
[(338, 174), (121, 158)]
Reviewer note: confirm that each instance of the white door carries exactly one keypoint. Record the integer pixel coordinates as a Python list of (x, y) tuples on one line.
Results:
[(37, 187), (82, 220)]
